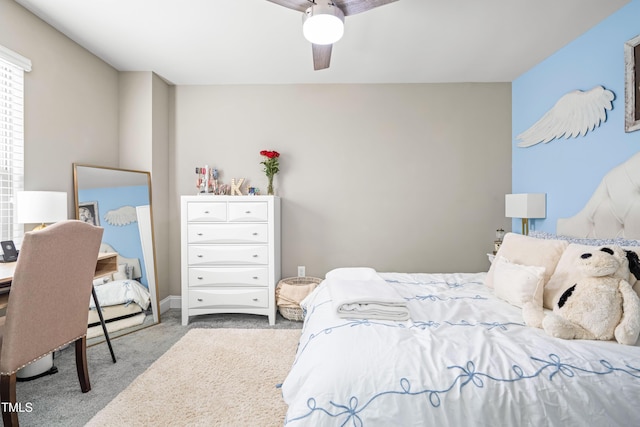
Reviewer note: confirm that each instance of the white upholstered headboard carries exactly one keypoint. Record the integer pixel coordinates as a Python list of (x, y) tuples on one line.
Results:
[(614, 208)]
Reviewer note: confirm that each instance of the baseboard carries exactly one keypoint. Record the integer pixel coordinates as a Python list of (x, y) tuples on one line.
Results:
[(172, 301)]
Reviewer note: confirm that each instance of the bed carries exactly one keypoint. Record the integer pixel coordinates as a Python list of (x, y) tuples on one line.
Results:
[(123, 299), (465, 355)]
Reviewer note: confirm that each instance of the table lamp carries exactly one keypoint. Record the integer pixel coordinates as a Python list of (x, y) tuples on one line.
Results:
[(525, 206), (40, 207)]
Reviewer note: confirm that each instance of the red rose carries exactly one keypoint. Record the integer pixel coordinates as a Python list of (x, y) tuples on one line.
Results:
[(263, 153)]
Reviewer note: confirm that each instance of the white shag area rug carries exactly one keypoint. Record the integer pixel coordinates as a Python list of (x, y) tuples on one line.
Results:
[(210, 377)]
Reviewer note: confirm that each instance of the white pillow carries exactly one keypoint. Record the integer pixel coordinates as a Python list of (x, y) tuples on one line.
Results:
[(122, 272), (100, 281), (103, 280), (516, 283), (353, 273), (527, 250)]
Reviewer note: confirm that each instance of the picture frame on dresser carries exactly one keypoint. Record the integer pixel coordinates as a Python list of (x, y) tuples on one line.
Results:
[(230, 255)]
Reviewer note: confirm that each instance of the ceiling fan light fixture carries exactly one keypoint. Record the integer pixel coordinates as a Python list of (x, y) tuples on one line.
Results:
[(323, 24)]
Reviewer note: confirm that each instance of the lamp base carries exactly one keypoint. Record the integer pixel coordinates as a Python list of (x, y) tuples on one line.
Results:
[(525, 226), (37, 369), (39, 227)]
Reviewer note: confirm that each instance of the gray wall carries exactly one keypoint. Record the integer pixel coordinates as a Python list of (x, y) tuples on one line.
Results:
[(79, 109), (396, 177), (71, 102), (160, 122), (144, 145)]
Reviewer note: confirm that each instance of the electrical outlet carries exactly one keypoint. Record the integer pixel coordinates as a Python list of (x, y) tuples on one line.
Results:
[(301, 271)]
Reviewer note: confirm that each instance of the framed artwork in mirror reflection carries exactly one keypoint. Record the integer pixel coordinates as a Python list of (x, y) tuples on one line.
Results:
[(88, 212)]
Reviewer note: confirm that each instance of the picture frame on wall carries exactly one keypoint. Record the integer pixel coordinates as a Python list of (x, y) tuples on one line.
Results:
[(88, 212), (632, 84)]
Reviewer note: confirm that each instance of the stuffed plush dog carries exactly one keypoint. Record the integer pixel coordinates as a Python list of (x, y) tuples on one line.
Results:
[(601, 305)]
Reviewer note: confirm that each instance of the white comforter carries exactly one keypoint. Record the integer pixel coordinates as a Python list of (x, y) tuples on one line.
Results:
[(465, 358), (121, 292)]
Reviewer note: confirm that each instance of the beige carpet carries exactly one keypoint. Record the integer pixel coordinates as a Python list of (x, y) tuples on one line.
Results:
[(211, 377)]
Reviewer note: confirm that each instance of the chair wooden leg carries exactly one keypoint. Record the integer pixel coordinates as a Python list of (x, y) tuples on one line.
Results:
[(81, 364), (8, 398)]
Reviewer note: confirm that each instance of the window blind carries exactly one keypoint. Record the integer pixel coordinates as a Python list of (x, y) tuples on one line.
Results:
[(12, 68)]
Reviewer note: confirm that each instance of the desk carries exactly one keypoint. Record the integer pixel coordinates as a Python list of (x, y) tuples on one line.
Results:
[(107, 264)]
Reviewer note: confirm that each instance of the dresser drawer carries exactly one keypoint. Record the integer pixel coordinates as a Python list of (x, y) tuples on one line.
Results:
[(206, 211), (238, 297), (228, 254), (228, 233), (228, 276), (248, 211)]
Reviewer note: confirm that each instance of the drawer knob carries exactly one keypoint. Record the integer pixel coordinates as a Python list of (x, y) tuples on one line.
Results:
[(255, 234), (206, 212), (200, 256), (199, 234), (200, 299), (199, 277), (255, 299), (255, 277), (248, 212), (255, 255)]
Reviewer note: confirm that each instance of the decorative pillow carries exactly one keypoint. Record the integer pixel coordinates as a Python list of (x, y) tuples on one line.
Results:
[(122, 272), (525, 250), (518, 284), (100, 281), (129, 271)]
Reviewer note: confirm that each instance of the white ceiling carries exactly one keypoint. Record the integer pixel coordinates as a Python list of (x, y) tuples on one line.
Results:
[(258, 42)]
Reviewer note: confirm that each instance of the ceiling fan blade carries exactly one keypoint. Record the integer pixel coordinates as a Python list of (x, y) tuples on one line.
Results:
[(299, 5), (351, 7), (321, 56)]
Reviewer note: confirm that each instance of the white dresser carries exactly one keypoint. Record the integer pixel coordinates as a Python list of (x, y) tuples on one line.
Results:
[(230, 255)]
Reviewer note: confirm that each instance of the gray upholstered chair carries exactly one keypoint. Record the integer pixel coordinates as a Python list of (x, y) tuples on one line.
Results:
[(48, 302)]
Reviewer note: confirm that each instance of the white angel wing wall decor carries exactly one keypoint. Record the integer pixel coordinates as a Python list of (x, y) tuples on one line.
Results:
[(124, 215), (576, 113)]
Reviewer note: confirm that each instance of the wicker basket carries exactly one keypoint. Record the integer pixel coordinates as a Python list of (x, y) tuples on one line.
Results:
[(294, 313)]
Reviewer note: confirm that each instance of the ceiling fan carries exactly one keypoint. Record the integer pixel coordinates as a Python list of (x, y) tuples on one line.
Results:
[(323, 22)]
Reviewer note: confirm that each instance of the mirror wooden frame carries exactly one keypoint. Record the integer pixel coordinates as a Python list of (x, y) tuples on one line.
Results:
[(146, 236)]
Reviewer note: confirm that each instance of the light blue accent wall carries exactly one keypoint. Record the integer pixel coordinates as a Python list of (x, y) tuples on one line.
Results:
[(124, 239), (569, 170)]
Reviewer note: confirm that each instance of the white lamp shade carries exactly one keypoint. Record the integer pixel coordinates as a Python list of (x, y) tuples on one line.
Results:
[(526, 205), (40, 207), (323, 24)]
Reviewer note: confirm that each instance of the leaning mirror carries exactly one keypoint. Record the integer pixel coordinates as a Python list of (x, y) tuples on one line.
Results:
[(119, 200)]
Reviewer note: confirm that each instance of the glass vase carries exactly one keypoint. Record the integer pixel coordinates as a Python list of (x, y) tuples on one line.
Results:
[(270, 186)]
